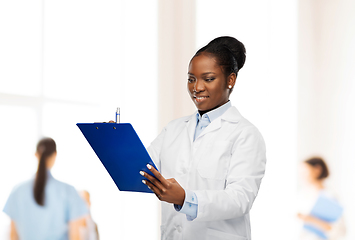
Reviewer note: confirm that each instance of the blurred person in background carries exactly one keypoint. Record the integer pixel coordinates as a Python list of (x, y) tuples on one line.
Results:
[(319, 210), (43, 207), (88, 228)]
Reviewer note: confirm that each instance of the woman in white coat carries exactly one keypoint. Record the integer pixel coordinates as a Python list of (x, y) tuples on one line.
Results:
[(210, 163)]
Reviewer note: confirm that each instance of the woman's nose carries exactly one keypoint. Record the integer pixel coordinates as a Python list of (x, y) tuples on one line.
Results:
[(199, 86)]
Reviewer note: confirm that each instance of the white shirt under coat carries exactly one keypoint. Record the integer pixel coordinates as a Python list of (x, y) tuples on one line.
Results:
[(223, 167)]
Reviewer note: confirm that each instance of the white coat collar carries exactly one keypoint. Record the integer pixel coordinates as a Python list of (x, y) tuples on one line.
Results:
[(231, 115)]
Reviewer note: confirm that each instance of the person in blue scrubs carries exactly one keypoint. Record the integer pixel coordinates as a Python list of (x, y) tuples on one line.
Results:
[(43, 207)]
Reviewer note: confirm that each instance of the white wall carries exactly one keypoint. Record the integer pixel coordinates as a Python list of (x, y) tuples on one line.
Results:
[(177, 32), (326, 93), (71, 61)]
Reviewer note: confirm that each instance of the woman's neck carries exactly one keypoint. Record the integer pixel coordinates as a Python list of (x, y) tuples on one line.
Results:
[(203, 112), (206, 111), (318, 184)]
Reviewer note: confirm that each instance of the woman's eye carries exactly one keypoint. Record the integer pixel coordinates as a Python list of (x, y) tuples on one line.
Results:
[(209, 79), (190, 80)]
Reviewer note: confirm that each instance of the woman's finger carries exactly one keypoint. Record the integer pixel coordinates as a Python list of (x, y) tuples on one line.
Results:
[(153, 188), (160, 177), (153, 180)]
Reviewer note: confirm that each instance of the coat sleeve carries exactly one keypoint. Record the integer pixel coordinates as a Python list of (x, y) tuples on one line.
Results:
[(246, 169), (155, 148)]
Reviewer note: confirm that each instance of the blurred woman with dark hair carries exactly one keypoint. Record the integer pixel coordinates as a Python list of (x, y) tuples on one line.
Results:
[(315, 172), (43, 207)]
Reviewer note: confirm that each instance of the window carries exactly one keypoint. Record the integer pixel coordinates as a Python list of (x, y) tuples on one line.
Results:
[(65, 62)]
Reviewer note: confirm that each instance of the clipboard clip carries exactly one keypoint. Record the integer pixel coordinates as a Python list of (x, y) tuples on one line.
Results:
[(118, 113)]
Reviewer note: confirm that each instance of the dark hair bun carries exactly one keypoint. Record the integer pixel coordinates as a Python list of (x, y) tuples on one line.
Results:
[(229, 52), (233, 45)]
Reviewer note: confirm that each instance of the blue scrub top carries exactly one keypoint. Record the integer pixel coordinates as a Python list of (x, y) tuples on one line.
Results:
[(35, 222)]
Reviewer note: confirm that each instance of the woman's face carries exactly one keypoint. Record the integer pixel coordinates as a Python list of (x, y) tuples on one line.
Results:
[(207, 84), (310, 173)]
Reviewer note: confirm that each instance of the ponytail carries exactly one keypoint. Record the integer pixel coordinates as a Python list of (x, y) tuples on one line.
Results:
[(45, 148)]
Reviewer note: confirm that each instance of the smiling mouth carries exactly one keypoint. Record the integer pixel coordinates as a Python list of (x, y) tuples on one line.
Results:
[(200, 99)]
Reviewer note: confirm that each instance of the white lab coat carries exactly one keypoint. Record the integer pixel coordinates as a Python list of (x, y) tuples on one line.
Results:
[(223, 166)]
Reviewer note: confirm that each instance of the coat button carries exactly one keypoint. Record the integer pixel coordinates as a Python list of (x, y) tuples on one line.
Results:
[(179, 229)]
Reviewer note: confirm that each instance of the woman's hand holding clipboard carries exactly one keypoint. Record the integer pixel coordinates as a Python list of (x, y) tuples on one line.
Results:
[(167, 190)]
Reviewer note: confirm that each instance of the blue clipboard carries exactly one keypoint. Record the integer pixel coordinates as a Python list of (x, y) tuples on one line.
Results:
[(122, 153), (326, 209)]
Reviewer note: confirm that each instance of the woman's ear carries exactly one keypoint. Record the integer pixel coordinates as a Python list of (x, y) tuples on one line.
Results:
[(231, 80)]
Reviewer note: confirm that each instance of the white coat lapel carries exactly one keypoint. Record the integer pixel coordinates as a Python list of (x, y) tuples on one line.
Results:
[(231, 115), (191, 126), (214, 125)]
